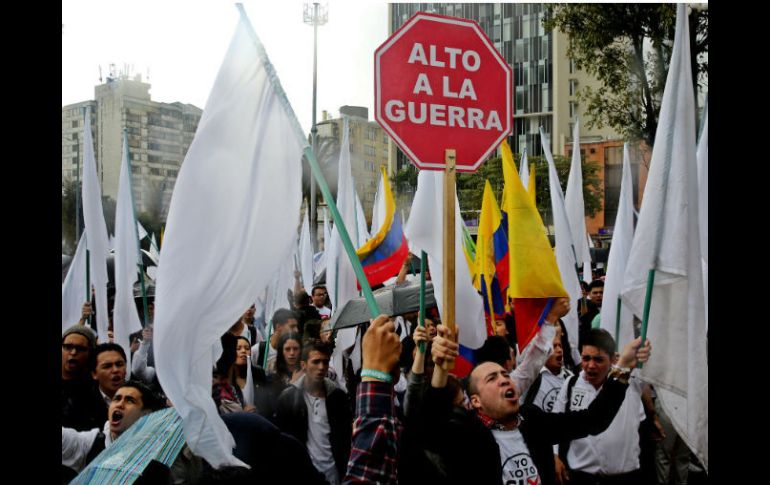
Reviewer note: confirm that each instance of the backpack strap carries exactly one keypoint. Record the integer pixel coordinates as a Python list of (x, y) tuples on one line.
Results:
[(564, 445), (533, 389)]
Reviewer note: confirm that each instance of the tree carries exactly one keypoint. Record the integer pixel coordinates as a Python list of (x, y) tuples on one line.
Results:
[(69, 190), (470, 186), (609, 42)]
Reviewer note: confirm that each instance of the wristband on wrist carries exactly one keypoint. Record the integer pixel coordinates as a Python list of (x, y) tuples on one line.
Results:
[(376, 374)]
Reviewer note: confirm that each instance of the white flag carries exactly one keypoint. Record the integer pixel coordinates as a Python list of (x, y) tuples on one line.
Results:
[(216, 256), (154, 252), (424, 231), (340, 278), (306, 254), (378, 211), (667, 240), (125, 318), (141, 230), (362, 233), (622, 236), (703, 204), (575, 206), (524, 169), (96, 230), (565, 252), (73, 290)]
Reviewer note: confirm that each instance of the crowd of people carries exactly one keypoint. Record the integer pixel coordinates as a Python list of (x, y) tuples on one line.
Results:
[(547, 415)]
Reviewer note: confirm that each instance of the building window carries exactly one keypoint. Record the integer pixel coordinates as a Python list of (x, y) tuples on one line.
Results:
[(74, 123), (75, 160), (74, 137), (573, 111), (573, 86)]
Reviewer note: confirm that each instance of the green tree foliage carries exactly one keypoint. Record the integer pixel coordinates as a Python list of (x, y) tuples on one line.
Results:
[(609, 41), (68, 225), (470, 186)]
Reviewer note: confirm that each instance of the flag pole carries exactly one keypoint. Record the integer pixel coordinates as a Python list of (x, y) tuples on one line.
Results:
[(646, 311), (450, 176), (88, 287), (421, 319), (315, 168), (140, 262)]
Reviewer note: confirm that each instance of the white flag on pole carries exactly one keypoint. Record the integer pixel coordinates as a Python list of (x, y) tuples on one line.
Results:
[(565, 254), (340, 278), (524, 169), (96, 230), (306, 255), (575, 206), (424, 231), (363, 233), (141, 230), (616, 262), (245, 156), (378, 211), (125, 318), (667, 240), (73, 290)]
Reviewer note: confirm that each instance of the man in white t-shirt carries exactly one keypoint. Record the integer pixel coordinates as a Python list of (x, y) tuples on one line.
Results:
[(613, 455), (316, 412), (319, 295)]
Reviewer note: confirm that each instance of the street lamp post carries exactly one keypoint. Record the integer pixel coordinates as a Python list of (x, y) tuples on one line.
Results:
[(314, 15)]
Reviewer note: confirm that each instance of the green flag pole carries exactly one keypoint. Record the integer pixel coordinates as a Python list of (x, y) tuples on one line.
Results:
[(140, 262), (646, 311), (315, 168), (423, 257)]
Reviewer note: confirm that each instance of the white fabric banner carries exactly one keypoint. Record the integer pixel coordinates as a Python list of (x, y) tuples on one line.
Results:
[(224, 237), (667, 240), (703, 204)]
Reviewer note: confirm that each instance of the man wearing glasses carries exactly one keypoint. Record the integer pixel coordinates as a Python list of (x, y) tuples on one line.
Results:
[(319, 301), (82, 406)]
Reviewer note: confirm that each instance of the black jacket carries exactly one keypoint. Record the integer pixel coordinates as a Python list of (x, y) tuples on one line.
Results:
[(463, 450), (292, 418)]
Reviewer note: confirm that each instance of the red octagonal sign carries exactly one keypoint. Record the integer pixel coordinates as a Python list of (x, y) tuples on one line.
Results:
[(440, 83)]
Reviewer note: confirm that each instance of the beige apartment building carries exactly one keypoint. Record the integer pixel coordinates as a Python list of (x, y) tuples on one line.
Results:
[(159, 135)]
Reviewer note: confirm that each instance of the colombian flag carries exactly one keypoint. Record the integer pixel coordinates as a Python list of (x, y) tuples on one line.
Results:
[(492, 258), (534, 278), (383, 255)]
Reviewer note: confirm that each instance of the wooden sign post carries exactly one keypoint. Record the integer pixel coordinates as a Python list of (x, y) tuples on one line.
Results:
[(449, 245)]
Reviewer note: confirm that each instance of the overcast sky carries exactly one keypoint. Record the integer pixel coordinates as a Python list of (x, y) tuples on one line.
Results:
[(183, 42)]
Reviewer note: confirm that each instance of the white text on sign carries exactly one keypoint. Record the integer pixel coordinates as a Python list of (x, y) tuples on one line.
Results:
[(436, 114)]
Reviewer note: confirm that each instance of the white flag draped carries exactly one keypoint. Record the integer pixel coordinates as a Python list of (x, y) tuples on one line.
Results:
[(306, 254), (96, 230), (667, 240), (622, 236), (340, 278), (703, 204), (575, 206), (125, 318), (73, 290), (424, 231), (327, 229), (565, 254), (154, 252), (216, 256)]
